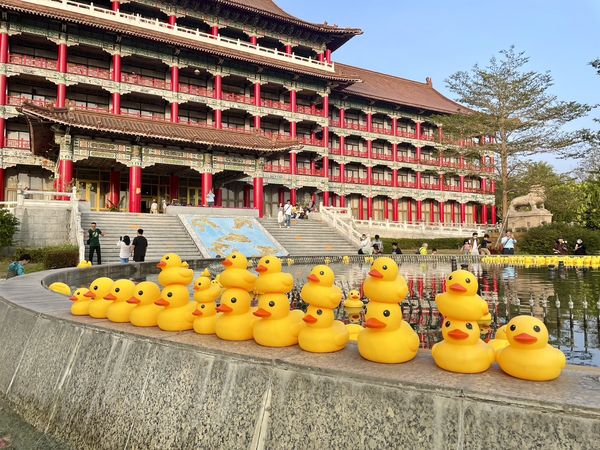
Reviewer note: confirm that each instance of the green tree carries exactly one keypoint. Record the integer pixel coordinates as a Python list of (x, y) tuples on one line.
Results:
[(588, 208), (8, 227), (516, 107)]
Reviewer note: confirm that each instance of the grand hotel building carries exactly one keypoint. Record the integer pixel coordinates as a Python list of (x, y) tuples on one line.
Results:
[(135, 100)]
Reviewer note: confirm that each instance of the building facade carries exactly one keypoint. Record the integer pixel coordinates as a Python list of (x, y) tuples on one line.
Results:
[(132, 101)]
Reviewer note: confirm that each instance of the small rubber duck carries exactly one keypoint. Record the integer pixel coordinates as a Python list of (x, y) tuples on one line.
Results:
[(277, 325), (84, 264), (98, 289), (387, 338), (60, 288), (500, 341), (354, 306), (460, 301), (322, 333), (174, 271), (528, 355), (235, 274), (384, 284), (345, 259), (206, 290), (237, 320), (320, 290), (462, 350), (145, 312), (177, 312), (206, 273), (120, 310), (81, 303), (206, 293), (271, 280)]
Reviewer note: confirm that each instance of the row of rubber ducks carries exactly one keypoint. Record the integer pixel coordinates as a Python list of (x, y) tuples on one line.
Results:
[(588, 261), (521, 349)]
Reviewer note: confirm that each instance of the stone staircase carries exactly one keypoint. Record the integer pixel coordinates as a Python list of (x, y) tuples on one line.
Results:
[(309, 237), (164, 233)]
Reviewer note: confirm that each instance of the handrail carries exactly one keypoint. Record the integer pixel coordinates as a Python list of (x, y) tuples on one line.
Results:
[(332, 215), (76, 227)]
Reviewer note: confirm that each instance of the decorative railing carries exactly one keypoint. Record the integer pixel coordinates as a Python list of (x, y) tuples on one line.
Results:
[(341, 220), (32, 61), (455, 229), (24, 144)]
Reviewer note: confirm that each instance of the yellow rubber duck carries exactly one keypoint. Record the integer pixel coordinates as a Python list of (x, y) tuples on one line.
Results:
[(206, 290), (271, 280), (81, 303), (460, 301), (84, 264), (500, 341), (354, 306), (462, 351), (387, 338), (322, 333), (145, 311), (174, 271), (177, 314), (384, 284), (98, 289), (235, 274), (277, 325), (206, 293), (237, 320), (320, 290), (346, 259), (60, 288), (528, 355), (121, 291), (206, 273)]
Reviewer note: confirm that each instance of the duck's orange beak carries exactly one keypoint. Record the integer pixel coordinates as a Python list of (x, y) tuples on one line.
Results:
[(525, 338), (261, 268), (224, 308), (458, 334), (374, 323), (161, 264), (161, 302), (261, 313), (134, 300), (227, 263), (197, 312), (312, 277), (309, 319), (375, 273), (457, 288), (109, 296), (196, 288), (89, 294), (73, 298)]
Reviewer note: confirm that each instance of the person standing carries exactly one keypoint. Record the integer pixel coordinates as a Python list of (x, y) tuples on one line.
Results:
[(580, 248), (94, 234), (474, 244), (287, 211), (154, 207), (139, 246), (395, 249), (280, 216), (379, 243), (485, 244), (423, 249), (17, 268), (508, 244), (124, 246), (210, 198), (164, 205), (365, 245)]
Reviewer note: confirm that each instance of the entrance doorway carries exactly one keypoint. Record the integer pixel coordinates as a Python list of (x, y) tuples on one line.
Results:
[(89, 191), (194, 196)]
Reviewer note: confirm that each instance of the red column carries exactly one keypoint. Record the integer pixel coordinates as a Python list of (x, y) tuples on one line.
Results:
[(333, 199), (395, 209), (172, 20), (484, 214), (432, 211), (246, 196), (65, 174), (219, 197), (370, 149), (281, 196), (288, 49), (462, 183), (386, 209), (326, 114), (321, 57), (293, 163), (418, 153), (174, 187), (293, 101), (326, 167), (135, 189), (463, 213), (369, 207), (207, 185), (394, 177), (254, 40), (218, 94), (361, 208), (2, 184), (475, 213), (61, 94), (442, 212), (394, 128), (116, 6), (440, 134), (342, 173), (342, 201), (293, 196), (326, 198), (114, 194), (395, 152), (419, 210), (418, 130), (483, 185), (259, 197), (369, 176), (342, 145), (116, 77), (342, 118), (494, 218), (453, 212), (409, 209), (328, 56), (175, 88), (419, 180), (441, 182), (369, 122), (214, 30)]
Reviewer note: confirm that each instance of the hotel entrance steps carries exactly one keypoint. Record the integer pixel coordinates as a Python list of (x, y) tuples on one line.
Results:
[(309, 237), (165, 234)]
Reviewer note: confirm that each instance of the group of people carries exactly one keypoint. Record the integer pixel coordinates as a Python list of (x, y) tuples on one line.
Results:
[(475, 246), (561, 247), (128, 248), (375, 246), (287, 212)]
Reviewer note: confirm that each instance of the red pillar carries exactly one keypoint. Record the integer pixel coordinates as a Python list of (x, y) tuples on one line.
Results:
[(293, 129), (254, 40), (462, 183), (135, 189), (257, 102), (246, 196), (219, 197), (293, 196), (172, 20), (116, 77), (342, 173), (369, 122), (453, 212), (386, 209), (463, 213), (494, 218), (419, 210), (333, 200), (293, 101), (432, 211), (484, 187), (418, 180), (342, 201), (395, 152), (418, 130), (328, 56), (114, 193), (214, 30), (418, 153), (174, 187), (342, 118), (61, 93), (369, 207), (281, 196), (395, 209), (370, 149), (484, 214), (442, 212), (288, 49), (475, 213), (207, 185), (175, 88), (395, 130), (259, 196), (326, 114), (326, 199), (116, 6), (293, 162), (369, 175), (361, 208), (409, 210), (65, 174), (218, 94), (2, 184), (342, 145)]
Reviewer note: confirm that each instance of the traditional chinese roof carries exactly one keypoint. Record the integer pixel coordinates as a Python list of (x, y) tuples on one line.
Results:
[(389, 88), (178, 41), (146, 129)]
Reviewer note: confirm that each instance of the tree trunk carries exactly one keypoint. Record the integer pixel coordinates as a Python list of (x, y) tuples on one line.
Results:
[(504, 176)]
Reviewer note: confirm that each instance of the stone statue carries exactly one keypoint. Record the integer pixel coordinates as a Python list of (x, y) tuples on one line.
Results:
[(528, 211), (534, 199)]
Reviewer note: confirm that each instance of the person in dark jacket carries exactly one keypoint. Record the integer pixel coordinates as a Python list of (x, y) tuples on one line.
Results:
[(139, 245)]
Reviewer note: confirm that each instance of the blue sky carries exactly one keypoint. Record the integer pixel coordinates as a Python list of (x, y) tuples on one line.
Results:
[(416, 39)]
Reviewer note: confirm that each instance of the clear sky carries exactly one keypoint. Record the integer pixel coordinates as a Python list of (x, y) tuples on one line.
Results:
[(415, 39)]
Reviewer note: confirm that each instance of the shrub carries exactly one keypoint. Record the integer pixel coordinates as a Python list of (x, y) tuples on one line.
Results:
[(53, 257), (540, 240), (8, 227)]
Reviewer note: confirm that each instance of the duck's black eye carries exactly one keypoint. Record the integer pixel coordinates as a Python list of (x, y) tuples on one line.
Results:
[(233, 300), (77, 293), (384, 267), (467, 280), (233, 256), (513, 327), (271, 304), (166, 257), (267, 261), (322, 273), (117, 290), (95, 288), (202, 306), (450, 277), (170, 294), (469, 326), (140, 292), (386, 313), (319, 312), (447, 324), (537, 329)]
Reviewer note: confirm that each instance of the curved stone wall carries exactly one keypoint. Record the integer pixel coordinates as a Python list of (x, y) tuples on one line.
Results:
[(95, 384)]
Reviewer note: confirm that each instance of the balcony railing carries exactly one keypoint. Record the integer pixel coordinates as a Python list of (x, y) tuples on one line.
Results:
[(277, 168), (14, 100), (140, 80), (18, 143), (308, 140), (383, 156), (407, 184), (31, 61), (92, 72), (355, 180), (308, 171), (383, 182)]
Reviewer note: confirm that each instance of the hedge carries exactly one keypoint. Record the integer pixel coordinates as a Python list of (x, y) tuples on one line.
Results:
[(540, 240), (411, 244), (53, 257)]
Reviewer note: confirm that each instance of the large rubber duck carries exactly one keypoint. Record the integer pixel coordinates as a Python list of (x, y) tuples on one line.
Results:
[(81, 303), (120, 310), (99, 288), (174, 270), (177, 312), (237, 320), (460, 301), (277, 325), (528, 355), (353, 305), (145, 311), (500, 341), (60, 288), (271, 280), (235, 274), (320, 290), (384, 284), (462, 350), (387, 338), (322, 333), (84, 264), (206, 292)]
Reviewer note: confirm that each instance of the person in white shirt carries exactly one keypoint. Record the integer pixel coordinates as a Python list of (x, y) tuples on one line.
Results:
[(474, 244), (365, 248), (287, 211), (508, 243), (280, 216), (154, 207), (124, 246)]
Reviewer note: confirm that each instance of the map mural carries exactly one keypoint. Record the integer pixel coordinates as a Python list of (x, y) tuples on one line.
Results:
[(220, 236)]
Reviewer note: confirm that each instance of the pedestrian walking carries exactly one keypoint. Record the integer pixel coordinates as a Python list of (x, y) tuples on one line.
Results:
[(287, 211), (280, 216), (508, 243), (124, 246), (139, 246), (93, 241)]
